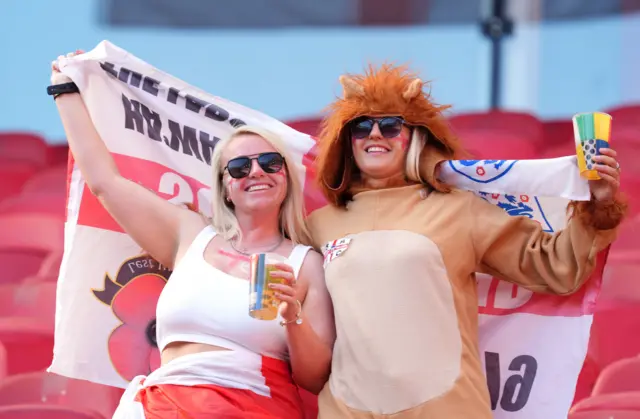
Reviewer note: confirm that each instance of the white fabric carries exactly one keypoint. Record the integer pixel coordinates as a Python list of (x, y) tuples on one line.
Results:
[(160, 131), (238, 369), (558, 177), (202, 304)]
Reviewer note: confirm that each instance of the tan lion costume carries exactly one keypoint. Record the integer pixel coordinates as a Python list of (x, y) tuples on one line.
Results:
[(400, 265)]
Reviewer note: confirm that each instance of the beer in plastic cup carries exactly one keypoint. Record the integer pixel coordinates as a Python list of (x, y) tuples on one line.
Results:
[(592, 131), (262, 302)]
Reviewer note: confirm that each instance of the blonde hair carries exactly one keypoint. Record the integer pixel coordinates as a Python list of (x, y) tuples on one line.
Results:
[(416, 145), (292, 213)]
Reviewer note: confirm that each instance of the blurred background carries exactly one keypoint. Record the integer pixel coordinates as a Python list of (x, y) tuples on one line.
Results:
[(515, 72)]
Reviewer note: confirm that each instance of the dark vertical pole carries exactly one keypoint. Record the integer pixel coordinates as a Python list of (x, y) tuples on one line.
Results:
[(496, 27)]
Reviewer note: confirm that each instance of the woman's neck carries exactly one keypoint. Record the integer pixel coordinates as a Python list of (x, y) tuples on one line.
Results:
[(259, 231), (369, 183)]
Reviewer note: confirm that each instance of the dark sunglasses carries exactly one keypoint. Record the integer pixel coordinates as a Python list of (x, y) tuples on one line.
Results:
[(240, 167), (389, 126)]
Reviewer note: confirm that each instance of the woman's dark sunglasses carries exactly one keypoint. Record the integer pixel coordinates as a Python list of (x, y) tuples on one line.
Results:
[(240, 167), (389, 126)]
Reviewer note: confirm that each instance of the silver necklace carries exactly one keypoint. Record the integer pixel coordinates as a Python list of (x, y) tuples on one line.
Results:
[(249, 254)]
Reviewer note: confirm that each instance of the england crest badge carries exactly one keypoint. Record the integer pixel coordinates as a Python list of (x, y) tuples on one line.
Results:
[(334, 248), (482, 171)]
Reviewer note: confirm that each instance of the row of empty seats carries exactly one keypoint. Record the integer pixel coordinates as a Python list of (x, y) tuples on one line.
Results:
[(32, 213)]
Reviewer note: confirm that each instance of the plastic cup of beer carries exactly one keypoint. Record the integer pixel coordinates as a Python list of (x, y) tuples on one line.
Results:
[(263, 304), (592, 131)]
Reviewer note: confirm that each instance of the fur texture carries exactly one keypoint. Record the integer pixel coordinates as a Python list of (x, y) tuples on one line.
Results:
[(384, 91), (600, 215)]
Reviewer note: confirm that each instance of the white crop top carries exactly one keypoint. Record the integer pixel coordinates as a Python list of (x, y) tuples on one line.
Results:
[(202, 304)]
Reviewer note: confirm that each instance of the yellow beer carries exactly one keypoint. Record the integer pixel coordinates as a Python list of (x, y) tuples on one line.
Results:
[(262, 302), (592, 131)]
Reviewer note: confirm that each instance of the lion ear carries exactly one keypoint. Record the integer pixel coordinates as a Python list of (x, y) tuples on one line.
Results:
[(412, 90), (350, 87)]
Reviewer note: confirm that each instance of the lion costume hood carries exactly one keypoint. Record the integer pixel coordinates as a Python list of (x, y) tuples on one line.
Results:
[(385, 91)]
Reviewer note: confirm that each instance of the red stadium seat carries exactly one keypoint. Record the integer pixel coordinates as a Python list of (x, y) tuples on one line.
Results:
[(518, 124), (606, 414), (626, 247), (629, 401), (25, 147), (625, 116), (33, 300), (38, 203), (28, 342), (58, 154), (50, 266), (52, 180), (489, 144), (19, 264), (3, 362), (31, 231), (25, 242), (46, 412), (558, 139), (14, 175), (50, 389), (621, 282), (619, 377), (614, 333)]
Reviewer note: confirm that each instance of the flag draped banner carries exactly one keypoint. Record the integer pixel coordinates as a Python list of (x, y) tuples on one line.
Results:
[(161, 132)]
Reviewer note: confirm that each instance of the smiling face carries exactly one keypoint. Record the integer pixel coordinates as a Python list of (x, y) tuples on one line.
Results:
[(264, 182), (380, 156)]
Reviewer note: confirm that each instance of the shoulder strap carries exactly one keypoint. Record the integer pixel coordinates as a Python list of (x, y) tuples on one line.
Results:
[(296, 258), (202, 240)]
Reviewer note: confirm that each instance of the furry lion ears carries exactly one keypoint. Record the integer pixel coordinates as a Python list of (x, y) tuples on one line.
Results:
[(351, 88)]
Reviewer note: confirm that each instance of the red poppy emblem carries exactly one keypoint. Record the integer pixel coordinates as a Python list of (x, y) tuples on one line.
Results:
[(133, 297)]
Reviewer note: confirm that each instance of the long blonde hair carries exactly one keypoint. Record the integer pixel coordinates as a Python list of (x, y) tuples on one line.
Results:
[(292, 213)]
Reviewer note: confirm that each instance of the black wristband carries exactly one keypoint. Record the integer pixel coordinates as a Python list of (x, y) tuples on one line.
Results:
[(60, 89)]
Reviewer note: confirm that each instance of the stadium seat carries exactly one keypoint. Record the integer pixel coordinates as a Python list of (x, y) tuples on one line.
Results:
[(38, 203), (31, 231), (625, 116), (3, 362), (33, 300), (626, 247), (50, 266), (46, 412), (26, 241), (19, 264), (518, 124), (614, 333), (58, 154), (52, 180), (558, 138), (606, 414), (24, 147), (45, 388), (14, 175), (488, 144), (621, 282), (619, 377), (28, 343), (629, 400)]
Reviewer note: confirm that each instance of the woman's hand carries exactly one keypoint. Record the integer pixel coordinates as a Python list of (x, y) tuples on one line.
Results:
[(56, 76), (286, 293), (605, 189)]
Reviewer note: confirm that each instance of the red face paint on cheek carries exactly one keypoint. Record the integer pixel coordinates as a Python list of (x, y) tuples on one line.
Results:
[(404, 141)]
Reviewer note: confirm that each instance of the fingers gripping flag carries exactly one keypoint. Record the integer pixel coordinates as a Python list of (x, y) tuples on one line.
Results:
[(161, 133)]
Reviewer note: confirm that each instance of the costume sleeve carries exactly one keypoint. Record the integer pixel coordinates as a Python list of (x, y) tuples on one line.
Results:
[(516, 249)]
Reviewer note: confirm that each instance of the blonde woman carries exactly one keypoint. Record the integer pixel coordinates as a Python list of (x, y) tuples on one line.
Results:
[(217, 361)]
